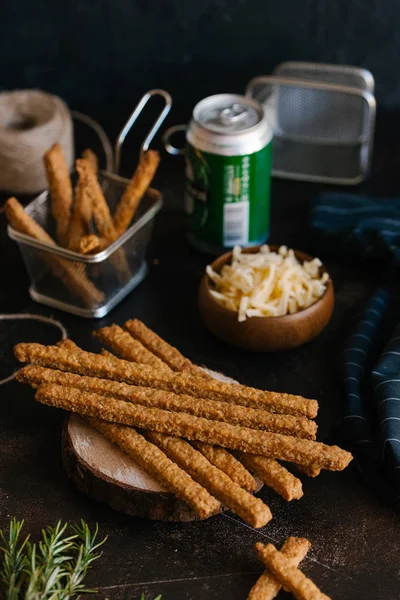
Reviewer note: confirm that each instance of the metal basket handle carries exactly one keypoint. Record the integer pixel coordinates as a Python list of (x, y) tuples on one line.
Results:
[(139, 107), (101, 134), (306, 84), (170, 148)]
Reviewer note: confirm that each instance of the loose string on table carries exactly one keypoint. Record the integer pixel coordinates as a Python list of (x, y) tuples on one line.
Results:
[(31, 317)]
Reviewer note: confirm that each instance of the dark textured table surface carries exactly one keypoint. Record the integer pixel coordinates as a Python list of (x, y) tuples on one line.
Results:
[(355, 534)]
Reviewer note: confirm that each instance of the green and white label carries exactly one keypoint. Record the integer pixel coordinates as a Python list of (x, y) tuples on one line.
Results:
[(228, 197)]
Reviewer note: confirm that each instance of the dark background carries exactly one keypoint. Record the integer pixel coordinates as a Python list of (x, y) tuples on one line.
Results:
[(106, 53), (100, 56)]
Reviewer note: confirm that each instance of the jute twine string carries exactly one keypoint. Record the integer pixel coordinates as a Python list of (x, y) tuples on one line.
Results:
[(31, 317), (30, 122)]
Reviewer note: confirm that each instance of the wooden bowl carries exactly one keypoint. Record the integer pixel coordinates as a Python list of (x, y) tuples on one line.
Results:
[(261, 334)]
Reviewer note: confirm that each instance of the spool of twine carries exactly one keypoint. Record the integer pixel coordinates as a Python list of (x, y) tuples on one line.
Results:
[(31, 121)]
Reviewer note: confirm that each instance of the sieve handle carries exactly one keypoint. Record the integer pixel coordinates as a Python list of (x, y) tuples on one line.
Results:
[(138, 109), (174, 150), (97, 128)]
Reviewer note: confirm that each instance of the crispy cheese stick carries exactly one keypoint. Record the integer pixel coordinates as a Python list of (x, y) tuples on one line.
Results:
[(89, 244), (60, 189), (101, 211), (310, 471), (68, 344), (71, 274), (22, 222), (274, 475), (269, 470), (226, 462), (157, 464), (209, 409), (290, 577), (194, 428), (89, 155), (122, 343), (267, 587), (104, 223), (135, 190), (92, 242), (122, 370), (81, 209), (105, 352), (219, 457), (250, 509), (167, 353)]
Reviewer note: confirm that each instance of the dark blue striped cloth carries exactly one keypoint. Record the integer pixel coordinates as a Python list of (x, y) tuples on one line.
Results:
[(369, 228)]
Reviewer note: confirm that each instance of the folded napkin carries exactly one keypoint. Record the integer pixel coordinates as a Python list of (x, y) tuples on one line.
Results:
[(369, 228)]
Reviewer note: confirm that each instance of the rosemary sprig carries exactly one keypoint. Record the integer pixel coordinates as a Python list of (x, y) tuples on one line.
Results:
[(13, 563), (85, 548), (53, 569), (44, 567)]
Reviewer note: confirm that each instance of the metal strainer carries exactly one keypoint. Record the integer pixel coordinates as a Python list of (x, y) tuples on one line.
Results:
[(323, 131)]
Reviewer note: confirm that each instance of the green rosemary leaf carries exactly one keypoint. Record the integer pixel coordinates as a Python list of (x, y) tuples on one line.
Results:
[(45, 562), (12, 553), (85, 547), (53, 568)]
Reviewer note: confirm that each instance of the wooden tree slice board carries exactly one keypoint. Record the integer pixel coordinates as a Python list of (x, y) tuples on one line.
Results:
[(104, 473)]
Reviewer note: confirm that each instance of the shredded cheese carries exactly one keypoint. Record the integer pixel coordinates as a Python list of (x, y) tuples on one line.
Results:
[(267, 284)]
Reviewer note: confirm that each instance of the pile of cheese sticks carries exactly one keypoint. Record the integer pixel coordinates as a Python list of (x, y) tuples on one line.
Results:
[(83, 219), (201, 438), (282, 570)]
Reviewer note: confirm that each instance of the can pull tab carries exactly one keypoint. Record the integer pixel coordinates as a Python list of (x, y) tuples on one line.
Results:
[(233, 114)]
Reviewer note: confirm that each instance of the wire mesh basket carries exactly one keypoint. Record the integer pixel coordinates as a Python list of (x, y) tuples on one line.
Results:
[(91, 285), (325, 73), (323, 130)]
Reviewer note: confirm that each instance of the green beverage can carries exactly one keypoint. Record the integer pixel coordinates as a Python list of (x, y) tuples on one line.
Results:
[(228, 173)]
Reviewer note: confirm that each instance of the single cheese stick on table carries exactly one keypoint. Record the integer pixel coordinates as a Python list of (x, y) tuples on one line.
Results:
[(95, 365), (209, 409), (157, 464), (226, 462), (60, 188), (252, 510), (167, 353), (71, 274), (274, 475), (194, 428), (267, 587), (289, 576), (122, 343), (136, 188)]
